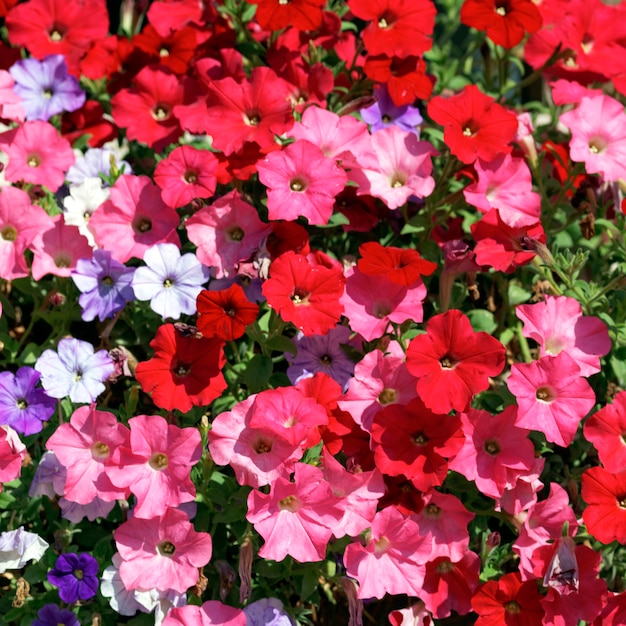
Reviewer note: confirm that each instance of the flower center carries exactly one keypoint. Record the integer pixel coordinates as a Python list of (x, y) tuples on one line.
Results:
[(382, 545), (597, 145), (182, 369), (252, 118), (62, 260), (78, 375), (300, 297), (166, 548), (492, 447), (107, 280), (398, 181), (386, 119), (33, 161), (164, 52), (297, 184), (22, 404), (283, 2), (168, 282), (326, 360), (545, 394), (8, 233), (48, 93), (263, 446), (388, 396), (235, 234), (100, 451), (56, 34), (161, 112), (158, 461), (142, 225), (432, 510), (447, 363), (290, 503), (191, 177), (512, 607), (501, 11), (419, 439), (444, 567), (78, 573)]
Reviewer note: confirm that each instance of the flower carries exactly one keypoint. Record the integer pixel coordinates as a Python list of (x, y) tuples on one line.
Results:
[(605, 513), (85, 197), (605, 429), (402, 266), (105, 285), (170, 281), (12, 453), (52, 615), (23, 406), (211, 613), (384, 113), (74, 370), (18, 547), (301, 14), (96, 163), (45, 87), (76, 576), (267, 612)]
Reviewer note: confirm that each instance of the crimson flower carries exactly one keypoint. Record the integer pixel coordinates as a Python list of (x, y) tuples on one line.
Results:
[(402, 266), (505, 21), (452, 362), (185, 370), (475, 125), (605, 495), (304, 294), (226, 313), (300, 14)]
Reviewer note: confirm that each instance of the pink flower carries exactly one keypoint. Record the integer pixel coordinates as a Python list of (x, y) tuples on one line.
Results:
[(10, 103), (58, 248), (211, 613), (557, 324), (84, 447), (505, 184), (12, 453), (227, 233), (163, 552), (20, 222), (295, 519), (598, 140), (552, 397), (399, 167), (301, 182), (133, 219), (157, 464), (37, 154), (523, 494), (392, 559)]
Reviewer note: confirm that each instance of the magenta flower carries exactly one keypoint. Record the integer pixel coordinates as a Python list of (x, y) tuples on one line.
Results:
[(76, 576)]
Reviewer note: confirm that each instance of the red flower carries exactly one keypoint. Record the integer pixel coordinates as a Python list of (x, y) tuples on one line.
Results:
[(508, 601), (474, 124), (226, 313), (396, 27), (174, 51), (185, 370), (606, 430), (402, 266), (506, 21), (605, 495), (304, 294), (452, 362), (277, 14), (88, 121)]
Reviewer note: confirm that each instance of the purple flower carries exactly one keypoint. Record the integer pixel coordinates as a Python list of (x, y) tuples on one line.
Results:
[(385, 113), (94, 163), (74, 370), (105, 285), (322, 353), (170, 281), (45, 87), (23, 406), (52, 615), (76, 576), (49, 477), (267, 612)]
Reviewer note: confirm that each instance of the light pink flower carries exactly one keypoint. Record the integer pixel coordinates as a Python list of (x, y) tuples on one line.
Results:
[(552, 397), (10, 103), (598, 140), (133, 219), (295, 519), (392, 559), (505, 184), (84, 448), (20, 222), (227, 233), (37, 154), (157, 464), (211, 613), (399, 167), (163, 552), (301, 182), (58, 248), (557, 324)]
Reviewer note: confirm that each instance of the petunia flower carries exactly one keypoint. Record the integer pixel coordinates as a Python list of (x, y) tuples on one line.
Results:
[(18, 547), (79, 206), (12, 453), (604, 515), (23, 406), (96, 163), (384, 113), (267, 612), (52, 615), (74, 370), (210, 613), (76, 576), (605, 429)]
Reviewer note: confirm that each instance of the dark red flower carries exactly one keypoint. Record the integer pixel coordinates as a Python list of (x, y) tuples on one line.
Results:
[(452, 362), (287, 236), (402, 266), (475, 125), (185, 370), (505, 21), (226, 313), (88, 121)]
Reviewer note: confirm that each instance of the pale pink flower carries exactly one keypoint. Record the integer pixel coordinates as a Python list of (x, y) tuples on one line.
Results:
[(84, 448), (552, 397), (496, 451), (295, 519), (392, 559), (505, 184), (557, 324), (226, 233), (211, 613), (399, 167), (372, 302), (163, 552), (415, 615), (133, 219), (20, 222), (10, 103), (156, 465), (37, 154), (380, 378), (301, 182), (58, 248), (598, 126)]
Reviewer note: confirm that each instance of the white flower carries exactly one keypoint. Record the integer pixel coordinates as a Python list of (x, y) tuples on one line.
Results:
[(17, 547), (83, 200)]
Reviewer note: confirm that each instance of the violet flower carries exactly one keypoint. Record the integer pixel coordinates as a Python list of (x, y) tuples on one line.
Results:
[(74, 370), (52, 615), (267, 612), (105, 285), (49, 479), (45, 87), (170, 281), (96, 163), (76, 576), (384, 113), (322, 353), (23, 405)]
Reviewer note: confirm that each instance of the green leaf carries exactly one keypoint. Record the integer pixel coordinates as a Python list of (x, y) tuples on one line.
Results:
[(482, 320), (258, 373), (280, 343)]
